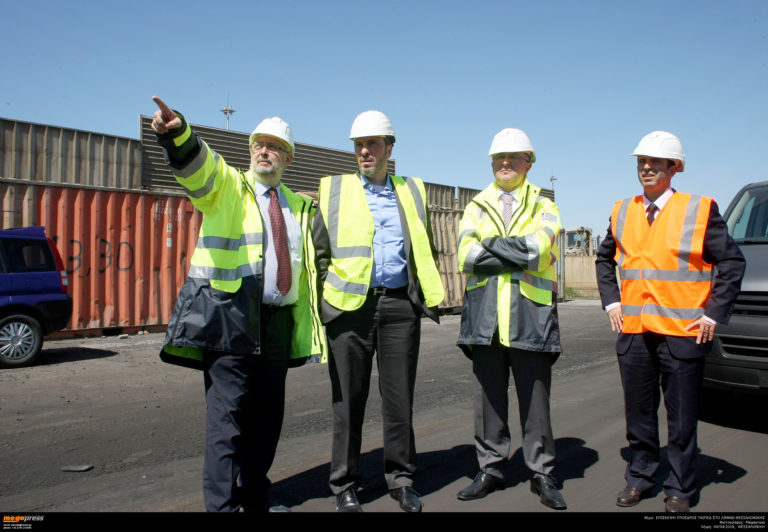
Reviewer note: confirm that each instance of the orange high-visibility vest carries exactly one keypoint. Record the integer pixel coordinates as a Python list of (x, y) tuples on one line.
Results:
[(665, 281)]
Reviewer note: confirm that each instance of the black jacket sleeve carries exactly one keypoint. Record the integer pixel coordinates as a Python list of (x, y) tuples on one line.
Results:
[(721, 251), (179, 156), (605, 268)]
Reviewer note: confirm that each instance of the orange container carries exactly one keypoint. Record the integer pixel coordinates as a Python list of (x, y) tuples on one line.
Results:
[(126, 253)]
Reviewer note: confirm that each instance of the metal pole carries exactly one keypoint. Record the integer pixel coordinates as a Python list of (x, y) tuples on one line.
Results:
[(227, 110)]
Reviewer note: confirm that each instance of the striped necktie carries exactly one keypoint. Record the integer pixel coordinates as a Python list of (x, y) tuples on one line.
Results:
[(507, 201)]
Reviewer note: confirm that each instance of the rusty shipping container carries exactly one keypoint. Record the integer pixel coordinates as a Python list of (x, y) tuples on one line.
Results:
[(56, 155), (126, 253)]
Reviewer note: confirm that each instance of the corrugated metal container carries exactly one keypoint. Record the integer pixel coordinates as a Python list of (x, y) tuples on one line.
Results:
[(440, 195), (444, 218), (464, 196), (310, 163), (49, 154), (126, 253)]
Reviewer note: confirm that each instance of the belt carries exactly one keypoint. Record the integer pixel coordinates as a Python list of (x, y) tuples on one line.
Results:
[(384, 291), (270, 307)]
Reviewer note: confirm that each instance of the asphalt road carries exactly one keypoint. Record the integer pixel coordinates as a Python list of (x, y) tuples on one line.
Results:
[(101, 425)]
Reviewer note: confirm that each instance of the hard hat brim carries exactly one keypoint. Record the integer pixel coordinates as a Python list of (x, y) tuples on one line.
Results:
[(260, 134)]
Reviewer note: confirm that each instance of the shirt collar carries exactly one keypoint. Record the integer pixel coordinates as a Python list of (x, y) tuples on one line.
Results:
[(661, 200), (500, 191), (260, 188), (367, 183)]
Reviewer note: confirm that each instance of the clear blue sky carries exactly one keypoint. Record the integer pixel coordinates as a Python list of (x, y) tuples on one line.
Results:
[(585, 79)]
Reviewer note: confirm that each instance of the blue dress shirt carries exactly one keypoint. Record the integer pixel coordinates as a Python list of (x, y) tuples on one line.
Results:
[(390, 268)]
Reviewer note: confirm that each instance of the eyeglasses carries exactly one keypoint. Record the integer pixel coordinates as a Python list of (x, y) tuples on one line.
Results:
[(513, 156), (271, 147)]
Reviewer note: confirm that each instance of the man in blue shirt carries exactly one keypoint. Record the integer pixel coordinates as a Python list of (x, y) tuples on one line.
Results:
[(378, 313)]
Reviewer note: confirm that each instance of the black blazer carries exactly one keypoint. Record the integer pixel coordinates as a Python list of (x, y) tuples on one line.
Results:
[(719, 250)]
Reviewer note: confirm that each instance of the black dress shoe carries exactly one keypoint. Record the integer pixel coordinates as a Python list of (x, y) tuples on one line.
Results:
[(481, 486), (544, 487), (676, 505), (408, 499), (628, 497), (346, 501)]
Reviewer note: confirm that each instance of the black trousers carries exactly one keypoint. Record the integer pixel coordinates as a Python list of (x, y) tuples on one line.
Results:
[(647, 365), (245, 402), (389, 327)]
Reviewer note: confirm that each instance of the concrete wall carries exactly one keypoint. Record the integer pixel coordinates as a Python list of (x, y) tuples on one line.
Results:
[(580, 276)]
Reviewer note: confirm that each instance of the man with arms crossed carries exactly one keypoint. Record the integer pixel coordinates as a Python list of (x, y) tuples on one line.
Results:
[(507, 248)]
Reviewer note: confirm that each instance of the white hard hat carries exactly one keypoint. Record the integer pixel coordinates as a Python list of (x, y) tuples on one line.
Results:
[(371, 124), (662, 145), (274, 127), (511, 140)]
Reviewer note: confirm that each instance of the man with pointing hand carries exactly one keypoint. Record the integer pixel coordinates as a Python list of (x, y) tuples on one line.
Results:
[(247, 311)]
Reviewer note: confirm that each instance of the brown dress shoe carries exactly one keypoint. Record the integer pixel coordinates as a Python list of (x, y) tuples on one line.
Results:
[(628, 497), (676, 505)]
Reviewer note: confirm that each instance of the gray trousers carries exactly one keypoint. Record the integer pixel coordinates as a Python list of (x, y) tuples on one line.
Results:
[(389, 327), (532, 372)]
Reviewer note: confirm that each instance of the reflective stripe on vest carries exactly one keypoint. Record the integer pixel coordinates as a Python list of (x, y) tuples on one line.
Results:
[(413, 199), (350, 232), (350, 269), (223, 259), (664, 280)]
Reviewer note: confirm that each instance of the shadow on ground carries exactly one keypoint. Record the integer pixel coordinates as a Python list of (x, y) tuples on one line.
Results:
[(709, 470), (437, 469), (71, 354)]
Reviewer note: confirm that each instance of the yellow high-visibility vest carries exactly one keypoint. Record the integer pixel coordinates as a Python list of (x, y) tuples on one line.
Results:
[(349, 223)]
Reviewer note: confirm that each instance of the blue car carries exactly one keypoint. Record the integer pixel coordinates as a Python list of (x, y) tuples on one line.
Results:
[(33, 294)]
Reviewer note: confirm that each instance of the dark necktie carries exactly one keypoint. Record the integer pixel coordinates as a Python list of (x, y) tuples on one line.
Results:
[(280, 237), (652, 210)]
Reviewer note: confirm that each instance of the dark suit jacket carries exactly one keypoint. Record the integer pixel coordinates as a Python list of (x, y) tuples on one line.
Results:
[(323, 255), (719, 250)]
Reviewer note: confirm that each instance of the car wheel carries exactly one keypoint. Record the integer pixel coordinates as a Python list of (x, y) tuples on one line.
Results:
[(21, 339)]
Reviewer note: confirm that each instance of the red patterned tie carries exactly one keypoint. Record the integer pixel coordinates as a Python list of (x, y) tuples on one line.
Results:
[(280, 237)]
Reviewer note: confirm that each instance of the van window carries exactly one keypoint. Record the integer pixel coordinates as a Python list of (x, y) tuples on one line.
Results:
[(22, 255), (749, 218)]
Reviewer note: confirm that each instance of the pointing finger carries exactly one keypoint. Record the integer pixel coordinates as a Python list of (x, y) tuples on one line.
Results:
[(166, 111)]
